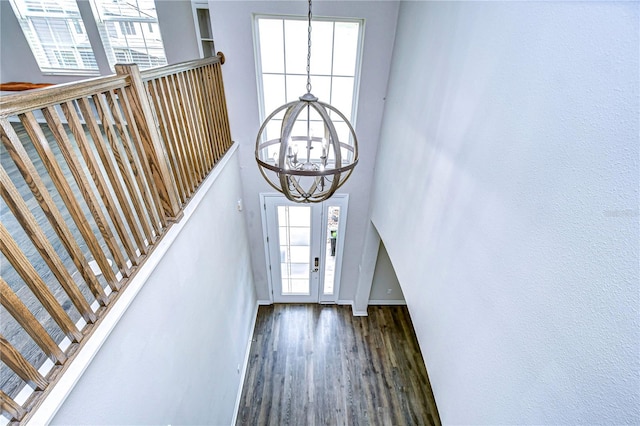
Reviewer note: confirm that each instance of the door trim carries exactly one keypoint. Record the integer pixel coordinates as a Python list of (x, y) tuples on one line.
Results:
[(341, 200)]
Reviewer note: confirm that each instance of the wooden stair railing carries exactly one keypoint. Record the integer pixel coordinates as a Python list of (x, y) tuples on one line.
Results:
[(92, 175)]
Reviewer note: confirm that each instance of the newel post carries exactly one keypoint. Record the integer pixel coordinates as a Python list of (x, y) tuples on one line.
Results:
[(153, 149)]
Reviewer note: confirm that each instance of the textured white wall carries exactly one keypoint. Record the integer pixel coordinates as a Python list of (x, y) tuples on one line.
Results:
[(232, 28), (385, 283), (173, 357), (506, 193)]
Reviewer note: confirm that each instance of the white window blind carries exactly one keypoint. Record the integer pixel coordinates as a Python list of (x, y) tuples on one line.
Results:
[(56, 34)]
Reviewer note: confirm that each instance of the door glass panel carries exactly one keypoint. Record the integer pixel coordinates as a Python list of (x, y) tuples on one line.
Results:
[(333, 220), (294, 231)]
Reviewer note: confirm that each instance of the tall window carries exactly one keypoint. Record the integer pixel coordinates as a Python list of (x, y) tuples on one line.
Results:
[(281, 58), (56, 35), (129, 31)]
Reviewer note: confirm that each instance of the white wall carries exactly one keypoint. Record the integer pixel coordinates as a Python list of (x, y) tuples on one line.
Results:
[(173, 357), (232, 28), (17, 62), (506, 193), (385, 287)]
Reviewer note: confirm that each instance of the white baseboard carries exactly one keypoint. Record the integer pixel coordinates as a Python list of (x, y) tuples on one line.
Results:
[(387, 302), (245, 364), (264, 302)]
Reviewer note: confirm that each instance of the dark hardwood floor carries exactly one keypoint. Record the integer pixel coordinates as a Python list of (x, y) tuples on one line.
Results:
[(320, 365)]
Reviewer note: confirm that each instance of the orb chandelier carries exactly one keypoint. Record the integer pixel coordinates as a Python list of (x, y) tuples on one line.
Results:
[(308, 161)]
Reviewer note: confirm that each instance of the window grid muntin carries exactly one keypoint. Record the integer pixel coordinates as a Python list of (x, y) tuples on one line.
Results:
[(130, 33), (54, 14), (351, 115)]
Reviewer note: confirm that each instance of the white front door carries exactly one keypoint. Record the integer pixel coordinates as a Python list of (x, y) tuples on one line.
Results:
[(304, 248)]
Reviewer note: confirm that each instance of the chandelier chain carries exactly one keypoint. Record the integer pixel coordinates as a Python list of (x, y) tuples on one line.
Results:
[(309, 51)]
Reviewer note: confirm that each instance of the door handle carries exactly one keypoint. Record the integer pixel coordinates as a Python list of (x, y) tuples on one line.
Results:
[(316, 264)]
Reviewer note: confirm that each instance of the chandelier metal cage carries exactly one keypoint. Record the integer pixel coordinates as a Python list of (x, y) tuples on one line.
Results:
[(308, 161)]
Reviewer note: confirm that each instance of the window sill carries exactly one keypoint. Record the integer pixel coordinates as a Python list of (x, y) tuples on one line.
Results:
[(71, 73)]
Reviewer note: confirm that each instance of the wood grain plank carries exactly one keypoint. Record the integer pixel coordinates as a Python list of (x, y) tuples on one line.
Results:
[(9, 407), (31, 325), (96, 174), (16, 362), (23, 267), (41, 144), (25, 217), (28, 171), (315, 364)]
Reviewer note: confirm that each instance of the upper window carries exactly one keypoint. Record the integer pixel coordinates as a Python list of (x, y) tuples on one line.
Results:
[(130, 32), (56, 35), (281, 59)]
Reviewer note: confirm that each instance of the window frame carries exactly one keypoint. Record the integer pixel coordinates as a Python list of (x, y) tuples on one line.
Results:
[(71, 22), (127, 29), (86, 19), (358, 63)]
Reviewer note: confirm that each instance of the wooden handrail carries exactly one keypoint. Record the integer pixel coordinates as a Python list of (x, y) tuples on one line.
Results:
[(100, 169), (20, 103), (154, 73)]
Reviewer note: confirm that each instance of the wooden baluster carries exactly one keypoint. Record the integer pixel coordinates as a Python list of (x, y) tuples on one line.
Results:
[(158, 213), (112, 173), (178, 139), (181, 129), (218, 110), (167, 136), (211, 108), (199, 124), (153, 150), (29, 223), (23, 267), (197, 106), (76, 169), (57, 176), (10, 407), (31, 325), (94, 170), (187, 115), (223, 101), (28, 171), (15, 361), (134, 164), (125, 173), (200, 89)]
